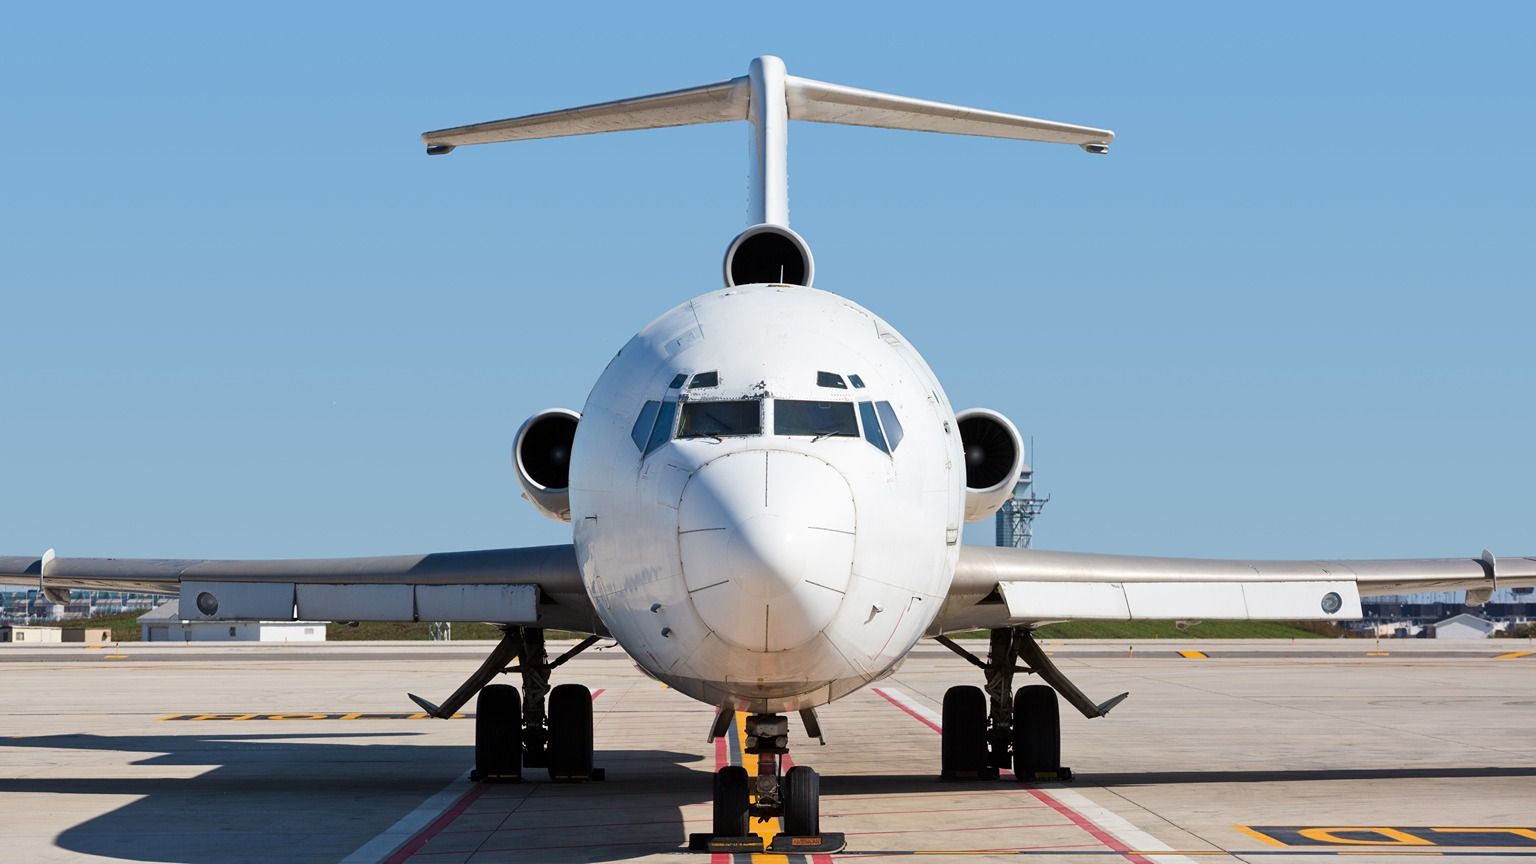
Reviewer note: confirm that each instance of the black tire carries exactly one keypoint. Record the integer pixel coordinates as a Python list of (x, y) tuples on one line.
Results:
[(1036, 731), (802, 802), (498, 733), (570, 733), (731, 813), (963, 740)]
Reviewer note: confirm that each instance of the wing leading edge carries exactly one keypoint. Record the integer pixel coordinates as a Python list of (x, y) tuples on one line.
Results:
[(997, 587), (538, 584)]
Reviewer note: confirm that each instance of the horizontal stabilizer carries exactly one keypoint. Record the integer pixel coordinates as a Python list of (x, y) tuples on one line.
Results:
[(769, 98), (712, 103), (820, 102)]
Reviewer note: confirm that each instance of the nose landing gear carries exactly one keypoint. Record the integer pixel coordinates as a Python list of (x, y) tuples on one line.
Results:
[(794, 796), (1023, 730)]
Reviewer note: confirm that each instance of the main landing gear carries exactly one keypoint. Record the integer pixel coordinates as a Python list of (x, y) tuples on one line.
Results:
[(1023, 730), (794, 796), (512, 731)]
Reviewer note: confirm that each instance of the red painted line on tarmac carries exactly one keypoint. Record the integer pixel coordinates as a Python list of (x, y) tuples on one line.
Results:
[(910, 713), (1077, 818), (441, 823), (413, 845), (1086, 824)]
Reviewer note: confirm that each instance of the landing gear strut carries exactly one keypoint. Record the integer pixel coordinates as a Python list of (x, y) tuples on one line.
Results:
[(512, 731), (1022, 730), (739, 798)]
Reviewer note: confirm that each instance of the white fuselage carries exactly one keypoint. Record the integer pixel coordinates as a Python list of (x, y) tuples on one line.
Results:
[(766, 551)]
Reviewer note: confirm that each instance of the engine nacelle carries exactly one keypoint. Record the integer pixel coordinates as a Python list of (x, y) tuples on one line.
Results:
[(769, 253), (994, 456), (542, 456)]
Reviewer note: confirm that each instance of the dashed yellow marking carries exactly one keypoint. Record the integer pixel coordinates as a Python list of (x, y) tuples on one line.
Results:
[(1378, 653), (1514, 655), (114, 657), (1194, 655)]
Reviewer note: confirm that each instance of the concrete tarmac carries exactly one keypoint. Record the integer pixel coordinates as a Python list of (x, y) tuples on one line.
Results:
[(1255, 751)]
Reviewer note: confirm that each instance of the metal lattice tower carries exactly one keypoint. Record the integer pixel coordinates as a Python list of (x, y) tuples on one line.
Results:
[(1015, 520)]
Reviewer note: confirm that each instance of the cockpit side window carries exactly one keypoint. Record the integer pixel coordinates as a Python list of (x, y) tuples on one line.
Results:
[(856, 381), (662, 431), (872, 432), (704, 379), (678, 381), (721, 419), (644, 423), (830, 379), (893, 433), (819, 419)]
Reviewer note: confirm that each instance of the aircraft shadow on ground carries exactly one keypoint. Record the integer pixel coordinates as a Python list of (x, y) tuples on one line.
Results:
[(318, 796), (872, 784)]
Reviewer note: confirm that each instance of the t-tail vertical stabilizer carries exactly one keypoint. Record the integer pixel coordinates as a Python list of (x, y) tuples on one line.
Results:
[(769, 98)]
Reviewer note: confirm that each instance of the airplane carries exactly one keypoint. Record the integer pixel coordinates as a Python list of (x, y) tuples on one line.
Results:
[(766, 489)]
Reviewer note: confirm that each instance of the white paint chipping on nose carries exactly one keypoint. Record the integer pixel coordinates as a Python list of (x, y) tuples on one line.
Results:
[(767, 546)]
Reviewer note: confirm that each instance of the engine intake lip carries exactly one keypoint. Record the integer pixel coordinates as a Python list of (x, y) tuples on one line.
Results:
[(543, 449), (772, 254), (994, 451)]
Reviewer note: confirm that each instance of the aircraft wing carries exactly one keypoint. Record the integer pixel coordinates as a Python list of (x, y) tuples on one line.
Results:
[(534, 585), (998, 587)]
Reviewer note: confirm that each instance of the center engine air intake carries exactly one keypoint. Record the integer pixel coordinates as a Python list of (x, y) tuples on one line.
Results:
[(542, 456), (769, 253), (994, 456)]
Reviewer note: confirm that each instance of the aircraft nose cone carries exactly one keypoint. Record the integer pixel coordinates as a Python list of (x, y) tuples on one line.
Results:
[(766, 555), (767, 546)]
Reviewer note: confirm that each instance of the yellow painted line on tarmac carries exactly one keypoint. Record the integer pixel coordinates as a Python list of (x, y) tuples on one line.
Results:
[(1514, 655), (1378, 653), (114, 657), (1258, 835), (1194, 655)]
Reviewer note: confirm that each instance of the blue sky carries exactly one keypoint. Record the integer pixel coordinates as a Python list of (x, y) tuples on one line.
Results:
[(1289, 315)]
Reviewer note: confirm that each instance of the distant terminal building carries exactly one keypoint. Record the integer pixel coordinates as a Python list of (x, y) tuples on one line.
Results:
[(1416, 614), (165, 624), (1016, 519), (30, 606)]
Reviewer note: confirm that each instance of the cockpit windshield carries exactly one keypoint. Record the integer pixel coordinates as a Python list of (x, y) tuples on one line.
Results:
[(721, 419), (806, 417)]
